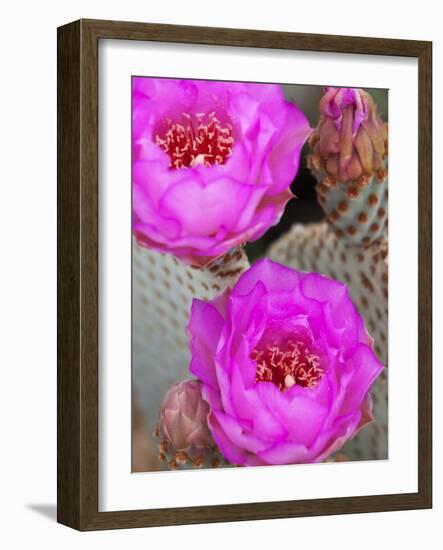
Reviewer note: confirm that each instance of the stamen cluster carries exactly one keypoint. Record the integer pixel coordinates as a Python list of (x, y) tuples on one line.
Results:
[(201, 139), (287, 364)]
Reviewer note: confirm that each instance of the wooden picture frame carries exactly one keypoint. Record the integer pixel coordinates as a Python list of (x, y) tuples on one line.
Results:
[(77, 457)]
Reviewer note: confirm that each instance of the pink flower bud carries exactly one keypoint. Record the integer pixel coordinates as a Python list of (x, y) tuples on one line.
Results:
[(350, 142), (183, 420)]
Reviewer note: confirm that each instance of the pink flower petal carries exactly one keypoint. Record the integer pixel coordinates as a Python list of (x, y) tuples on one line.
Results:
[(204, 326)]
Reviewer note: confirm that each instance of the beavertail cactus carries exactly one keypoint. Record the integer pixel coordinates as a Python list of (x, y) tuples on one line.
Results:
[(349, 160), (185, 439)]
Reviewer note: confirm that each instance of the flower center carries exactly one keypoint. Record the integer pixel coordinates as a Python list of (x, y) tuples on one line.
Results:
[(201, 139), (287, 364)]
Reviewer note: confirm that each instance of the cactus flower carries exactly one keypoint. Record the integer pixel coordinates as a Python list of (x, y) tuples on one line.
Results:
[(350, 141), (212, 163), (286, 366)]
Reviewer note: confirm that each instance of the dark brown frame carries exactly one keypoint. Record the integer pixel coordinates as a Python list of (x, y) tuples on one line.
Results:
[(77, 457)]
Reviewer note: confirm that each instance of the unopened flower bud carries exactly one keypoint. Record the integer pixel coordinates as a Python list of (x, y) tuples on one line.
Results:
[(351, 139), (183, 418)]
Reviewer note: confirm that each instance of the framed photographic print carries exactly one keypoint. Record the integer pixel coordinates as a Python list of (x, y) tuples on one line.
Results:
[(241, 334)]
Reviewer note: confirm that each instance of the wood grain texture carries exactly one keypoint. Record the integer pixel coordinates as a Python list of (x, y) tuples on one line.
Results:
[(254, 38), (77, 174), (68, 276), (425, 273)]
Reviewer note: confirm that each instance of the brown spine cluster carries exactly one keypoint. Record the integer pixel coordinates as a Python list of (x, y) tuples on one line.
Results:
[(209, 457)]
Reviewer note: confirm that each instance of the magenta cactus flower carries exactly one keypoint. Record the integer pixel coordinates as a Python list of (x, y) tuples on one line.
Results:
[(286, 366), (351, 139), (212, 163)]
